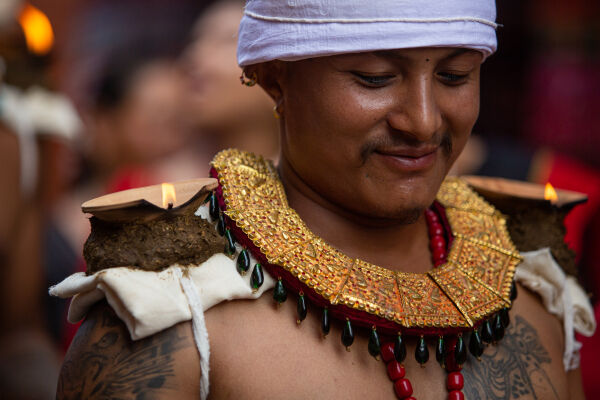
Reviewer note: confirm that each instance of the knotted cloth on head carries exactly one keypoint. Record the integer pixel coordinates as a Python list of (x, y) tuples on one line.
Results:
[(291, 30)]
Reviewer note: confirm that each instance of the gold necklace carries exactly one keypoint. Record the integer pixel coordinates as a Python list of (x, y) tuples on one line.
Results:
[(472, 285)]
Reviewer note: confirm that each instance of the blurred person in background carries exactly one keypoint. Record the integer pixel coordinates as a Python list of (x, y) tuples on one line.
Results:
[(38, 127), (224, 112), (137, 129)]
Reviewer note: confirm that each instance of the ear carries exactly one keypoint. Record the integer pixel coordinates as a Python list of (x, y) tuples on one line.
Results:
[(270, 77)]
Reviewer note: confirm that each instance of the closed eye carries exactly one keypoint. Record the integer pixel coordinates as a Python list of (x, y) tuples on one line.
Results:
[(450, 78), (373, 81)]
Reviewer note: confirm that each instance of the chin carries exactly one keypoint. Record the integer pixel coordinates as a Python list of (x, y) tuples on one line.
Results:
[(408, 216), (399, 211), (404, 204)]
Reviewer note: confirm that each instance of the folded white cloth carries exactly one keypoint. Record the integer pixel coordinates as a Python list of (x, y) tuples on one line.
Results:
[(149, 302), (561, 295), (296, 29)]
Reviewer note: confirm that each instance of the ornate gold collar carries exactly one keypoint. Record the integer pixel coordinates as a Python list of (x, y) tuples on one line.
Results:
[(473, 284)]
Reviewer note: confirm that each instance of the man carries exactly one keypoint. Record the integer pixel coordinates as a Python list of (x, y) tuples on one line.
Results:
[(375, 104)]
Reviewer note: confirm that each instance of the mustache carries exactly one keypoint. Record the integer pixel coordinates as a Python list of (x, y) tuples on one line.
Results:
[(398, 139)]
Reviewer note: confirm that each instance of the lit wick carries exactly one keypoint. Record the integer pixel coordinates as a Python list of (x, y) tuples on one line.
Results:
[(168, 195), (550, 194)]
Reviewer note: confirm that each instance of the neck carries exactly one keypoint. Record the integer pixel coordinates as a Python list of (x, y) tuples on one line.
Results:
[(395, 245)]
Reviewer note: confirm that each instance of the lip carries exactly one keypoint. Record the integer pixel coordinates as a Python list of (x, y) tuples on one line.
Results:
[(409, 159)]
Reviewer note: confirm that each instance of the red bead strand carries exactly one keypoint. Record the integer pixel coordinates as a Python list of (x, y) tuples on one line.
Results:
[(455, 380), (437, 241), (439, 251)]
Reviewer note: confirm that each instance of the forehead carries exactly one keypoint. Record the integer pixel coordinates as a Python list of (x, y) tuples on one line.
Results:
[(435, 54)]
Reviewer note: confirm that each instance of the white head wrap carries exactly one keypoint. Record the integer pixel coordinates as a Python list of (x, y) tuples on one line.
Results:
[(296, 29)]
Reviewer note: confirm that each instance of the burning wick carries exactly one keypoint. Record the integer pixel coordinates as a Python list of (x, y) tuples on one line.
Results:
[(550, 194), (168, 195)]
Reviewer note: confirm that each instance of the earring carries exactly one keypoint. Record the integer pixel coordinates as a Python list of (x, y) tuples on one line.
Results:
[(251, 80), (275, 112)]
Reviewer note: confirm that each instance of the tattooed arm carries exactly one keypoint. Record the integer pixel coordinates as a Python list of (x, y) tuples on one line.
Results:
[(527, 363), (104, 363)]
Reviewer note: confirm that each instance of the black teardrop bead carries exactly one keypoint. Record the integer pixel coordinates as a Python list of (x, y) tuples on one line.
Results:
[(221, 225), (374, 344), (487, 334), (399, 349), (279, 293), (498, 328), (505, 317), (325, 325), (475, 344), (207, 198), (213, 207), (243, 262), (440, 354), (230, 245), (301, 308), (421, 351), (257, 278), (460, 351), (347, 335), (513, 291)]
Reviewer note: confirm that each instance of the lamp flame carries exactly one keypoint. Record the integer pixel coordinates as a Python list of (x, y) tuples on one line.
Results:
[(550, 193), (168, 195), (37, 29)]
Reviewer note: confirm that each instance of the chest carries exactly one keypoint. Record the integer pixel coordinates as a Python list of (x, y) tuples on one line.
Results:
[(265, 355)]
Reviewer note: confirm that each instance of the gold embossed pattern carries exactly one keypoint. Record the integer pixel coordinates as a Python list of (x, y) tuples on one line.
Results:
[(473, 284)]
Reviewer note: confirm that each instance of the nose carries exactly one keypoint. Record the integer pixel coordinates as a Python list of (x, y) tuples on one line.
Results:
[(416, 112)]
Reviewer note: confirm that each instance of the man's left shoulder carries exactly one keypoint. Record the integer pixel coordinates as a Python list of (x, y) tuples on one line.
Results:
[(527, 363)]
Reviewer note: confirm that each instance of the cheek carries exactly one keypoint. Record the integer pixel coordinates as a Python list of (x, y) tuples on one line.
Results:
[(330, 123), (461, 113)]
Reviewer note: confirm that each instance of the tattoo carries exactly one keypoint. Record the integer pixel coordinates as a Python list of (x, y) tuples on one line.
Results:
[(106, 364), (512, 369)]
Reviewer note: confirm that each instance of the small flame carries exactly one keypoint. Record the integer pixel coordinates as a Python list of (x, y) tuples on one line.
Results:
[(168, 195), (550, 193), (37, 29)]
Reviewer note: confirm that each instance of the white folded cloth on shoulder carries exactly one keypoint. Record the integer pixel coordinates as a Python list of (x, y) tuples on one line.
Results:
[(561, 295)]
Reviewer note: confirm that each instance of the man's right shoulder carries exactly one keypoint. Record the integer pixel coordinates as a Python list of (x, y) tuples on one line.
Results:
[(104, 363)]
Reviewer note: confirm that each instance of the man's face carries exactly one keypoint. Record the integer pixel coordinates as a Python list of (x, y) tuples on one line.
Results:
[(376, 133)]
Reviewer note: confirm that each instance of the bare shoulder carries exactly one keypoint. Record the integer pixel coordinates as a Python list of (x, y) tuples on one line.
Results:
[(528, 362), (104, 363)]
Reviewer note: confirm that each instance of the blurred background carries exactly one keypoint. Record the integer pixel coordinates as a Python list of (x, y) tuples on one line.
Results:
[(104, 95)]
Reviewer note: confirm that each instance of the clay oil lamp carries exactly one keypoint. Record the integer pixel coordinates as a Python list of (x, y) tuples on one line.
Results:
[(151, 202), (536, 213), (151, 227)]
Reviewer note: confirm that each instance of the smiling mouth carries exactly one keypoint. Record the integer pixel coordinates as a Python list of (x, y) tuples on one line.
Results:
[(409, 159)]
